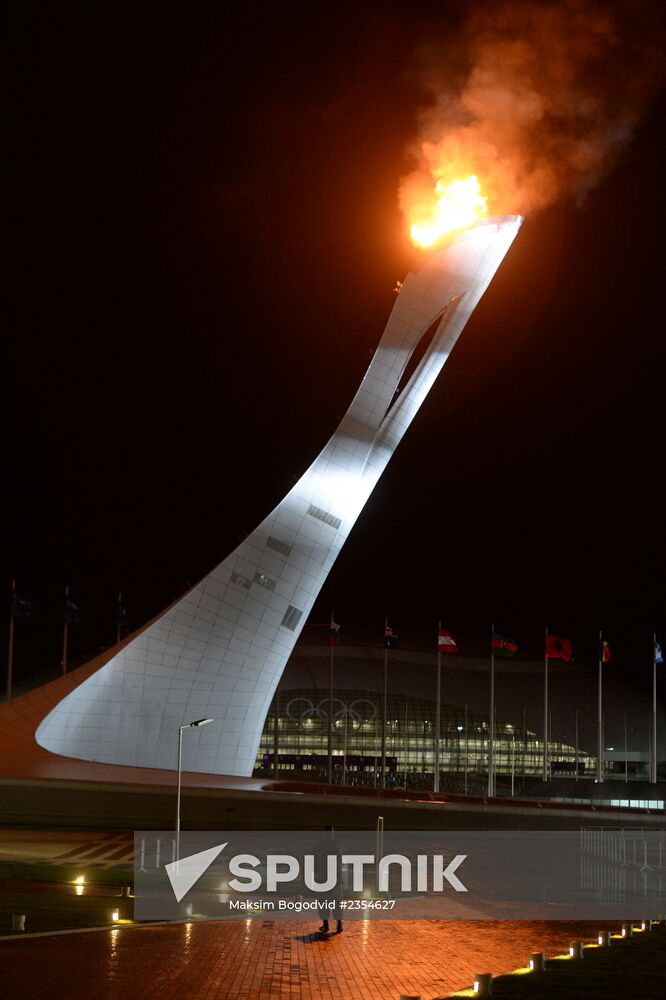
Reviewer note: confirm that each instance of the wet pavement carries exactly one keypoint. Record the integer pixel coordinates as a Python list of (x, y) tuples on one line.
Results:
[(256, 959)]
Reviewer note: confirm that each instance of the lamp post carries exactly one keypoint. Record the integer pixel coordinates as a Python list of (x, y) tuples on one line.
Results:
[(189, 725)]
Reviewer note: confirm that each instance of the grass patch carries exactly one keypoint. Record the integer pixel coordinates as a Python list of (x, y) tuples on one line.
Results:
[(52, 908), (630, 968), (55, 911)]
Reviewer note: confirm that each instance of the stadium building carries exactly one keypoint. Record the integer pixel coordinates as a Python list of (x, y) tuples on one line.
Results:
[(296, 727)]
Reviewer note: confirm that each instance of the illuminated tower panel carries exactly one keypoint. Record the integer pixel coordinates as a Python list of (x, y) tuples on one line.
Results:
[(220, 650)]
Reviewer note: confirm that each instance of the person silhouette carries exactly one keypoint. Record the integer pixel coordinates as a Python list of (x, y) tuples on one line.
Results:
[(323, 849)]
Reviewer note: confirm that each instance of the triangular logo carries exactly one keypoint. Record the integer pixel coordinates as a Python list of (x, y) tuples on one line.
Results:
[(184, 873)]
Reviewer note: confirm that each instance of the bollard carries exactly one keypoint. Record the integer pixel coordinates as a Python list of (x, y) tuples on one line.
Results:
[(576, 949), (483, 984), (627, 930), (127, 891), (538, 961), (114, 916), (18, 922), (646, 925), (604, 939)]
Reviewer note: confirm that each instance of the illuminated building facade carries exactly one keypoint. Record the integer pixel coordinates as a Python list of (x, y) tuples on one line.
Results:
[(297, 721), (221, 649), (302, 722)]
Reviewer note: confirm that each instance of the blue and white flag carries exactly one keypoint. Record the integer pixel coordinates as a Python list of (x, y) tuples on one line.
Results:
[(72, 616), (658, 655)]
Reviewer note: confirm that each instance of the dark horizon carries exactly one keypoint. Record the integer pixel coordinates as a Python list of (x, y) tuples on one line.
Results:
[(204, 238)]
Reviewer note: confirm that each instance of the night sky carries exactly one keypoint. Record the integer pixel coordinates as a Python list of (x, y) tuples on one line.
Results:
[(203, 241)]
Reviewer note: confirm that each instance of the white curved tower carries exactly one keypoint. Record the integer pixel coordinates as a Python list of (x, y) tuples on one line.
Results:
[(220, 650)]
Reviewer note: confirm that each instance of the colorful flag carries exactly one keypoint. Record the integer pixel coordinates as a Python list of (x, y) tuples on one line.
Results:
[(503, 646), (390, 637), (558, 649), (71, 612), (658, 655), (445, 642), (335, 636), (19, 608), (604, 651)]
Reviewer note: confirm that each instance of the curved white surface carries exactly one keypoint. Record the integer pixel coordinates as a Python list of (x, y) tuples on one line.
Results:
[(221, 649)]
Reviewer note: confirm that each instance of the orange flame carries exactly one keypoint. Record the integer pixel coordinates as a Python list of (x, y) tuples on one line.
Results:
[(455, 205)]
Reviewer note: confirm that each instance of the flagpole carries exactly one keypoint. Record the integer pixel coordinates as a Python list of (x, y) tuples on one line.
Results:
[(384, 705), (650, 746), (524, 744), (344, 750), (491, 734), (513, 762), (120, 600), (653, 762), (64, 634), (576, 744), (276, 731), (330, 703), (466, 750), (600, 740), (438, 708), (626, 758), (545, 709), (495, 753), (10, 650)]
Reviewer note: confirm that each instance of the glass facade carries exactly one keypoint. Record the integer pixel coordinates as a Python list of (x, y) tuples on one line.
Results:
[(297, 723)]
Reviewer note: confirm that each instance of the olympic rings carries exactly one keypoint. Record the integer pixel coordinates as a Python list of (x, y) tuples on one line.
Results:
[(352, 711)]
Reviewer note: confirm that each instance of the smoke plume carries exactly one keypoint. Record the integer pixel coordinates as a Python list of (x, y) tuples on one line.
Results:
[(536, 99)]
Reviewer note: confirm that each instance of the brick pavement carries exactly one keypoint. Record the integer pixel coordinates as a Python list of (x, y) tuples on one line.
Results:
[(248, 960)]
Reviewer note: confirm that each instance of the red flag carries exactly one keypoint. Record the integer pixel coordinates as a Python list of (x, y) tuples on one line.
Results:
[(334, 633), (445, 642), (390, 636), (558, 649), (503, 646)]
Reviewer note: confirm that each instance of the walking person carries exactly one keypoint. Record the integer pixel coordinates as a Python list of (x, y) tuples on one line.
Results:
[(323, 849)]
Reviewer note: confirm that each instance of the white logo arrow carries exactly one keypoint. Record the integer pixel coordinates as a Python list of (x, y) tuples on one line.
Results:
[(185, 872)]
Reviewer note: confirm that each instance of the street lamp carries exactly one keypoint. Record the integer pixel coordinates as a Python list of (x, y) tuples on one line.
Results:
[(189, 725)]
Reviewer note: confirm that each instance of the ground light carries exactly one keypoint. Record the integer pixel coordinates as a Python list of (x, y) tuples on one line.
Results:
[(115, 916), (483, 984), (627, 930), (576, 950)]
